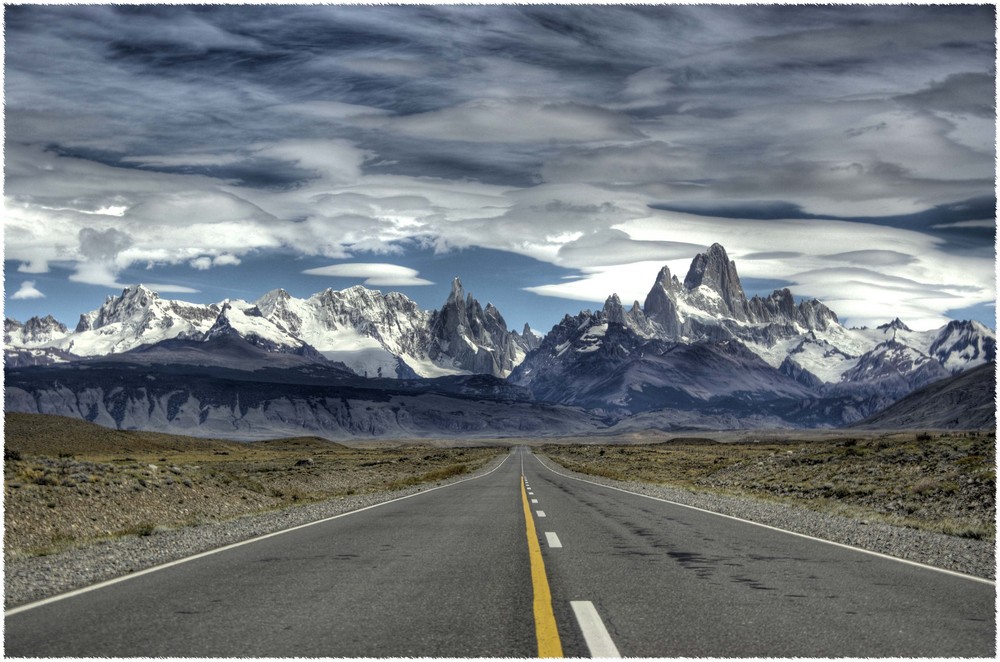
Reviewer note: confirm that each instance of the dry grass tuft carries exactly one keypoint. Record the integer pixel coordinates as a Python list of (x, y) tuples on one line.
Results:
[(69, 483)]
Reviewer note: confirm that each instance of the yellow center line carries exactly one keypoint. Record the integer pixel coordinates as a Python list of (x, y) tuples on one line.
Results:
[(545, 621)]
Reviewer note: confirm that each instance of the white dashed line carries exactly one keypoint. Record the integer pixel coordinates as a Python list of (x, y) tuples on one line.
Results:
[(552, 539), (540, 513), (534, 501), (594, 633)]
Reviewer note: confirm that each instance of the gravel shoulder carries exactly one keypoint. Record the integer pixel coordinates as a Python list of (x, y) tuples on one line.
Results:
[(968, 556)]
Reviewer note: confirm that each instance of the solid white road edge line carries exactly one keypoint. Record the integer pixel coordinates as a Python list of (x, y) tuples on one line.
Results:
[(775, 528), (598, 640), (552, 539), (162, 566)]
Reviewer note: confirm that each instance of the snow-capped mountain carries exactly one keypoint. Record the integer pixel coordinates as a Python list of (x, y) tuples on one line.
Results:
[(36, 332), (630, 360), (595, 360), (30, 343), (375, 334), (137, 317), (388, 335), (711, 304)]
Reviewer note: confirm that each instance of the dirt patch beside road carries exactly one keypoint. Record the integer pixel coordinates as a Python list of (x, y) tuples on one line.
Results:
[(69, 483)]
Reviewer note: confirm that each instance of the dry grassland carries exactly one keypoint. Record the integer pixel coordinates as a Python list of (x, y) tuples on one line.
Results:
[(942, 482), (68, 482)]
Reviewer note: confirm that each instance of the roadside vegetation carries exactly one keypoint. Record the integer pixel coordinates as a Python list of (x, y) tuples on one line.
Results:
[(942, 482), (69, 483)]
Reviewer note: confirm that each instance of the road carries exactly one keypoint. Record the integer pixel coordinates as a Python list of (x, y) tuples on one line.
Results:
[(459, 571)]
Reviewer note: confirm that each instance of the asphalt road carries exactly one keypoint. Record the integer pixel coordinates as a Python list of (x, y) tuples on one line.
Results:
[(448, 573), (671, 581)]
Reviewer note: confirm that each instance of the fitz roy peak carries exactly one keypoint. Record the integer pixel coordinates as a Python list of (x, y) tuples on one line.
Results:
[(703, 345), (712, 303)]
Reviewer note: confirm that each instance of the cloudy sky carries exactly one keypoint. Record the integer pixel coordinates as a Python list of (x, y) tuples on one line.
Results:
[(548, 156)]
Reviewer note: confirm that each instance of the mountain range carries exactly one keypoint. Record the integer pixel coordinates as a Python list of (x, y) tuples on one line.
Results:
[(374, 334), (695, 353)]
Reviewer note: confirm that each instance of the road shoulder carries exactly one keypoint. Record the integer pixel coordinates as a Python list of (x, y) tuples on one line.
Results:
[(36, 578)]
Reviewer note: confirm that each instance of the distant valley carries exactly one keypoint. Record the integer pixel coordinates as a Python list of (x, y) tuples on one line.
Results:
[(696, 354)]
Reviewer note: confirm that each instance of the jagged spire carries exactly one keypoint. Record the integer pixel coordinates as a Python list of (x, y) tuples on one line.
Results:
[(613, 310), (896, 324), (713, 269), (660, 305), (457, 293), (664, 279)]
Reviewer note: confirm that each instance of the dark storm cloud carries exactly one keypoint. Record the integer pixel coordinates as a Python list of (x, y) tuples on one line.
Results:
[(754, 209), (958, 93), (506, 165), (955, 224), (186, 76)]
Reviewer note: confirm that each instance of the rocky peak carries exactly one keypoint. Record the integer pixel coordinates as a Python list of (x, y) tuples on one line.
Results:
[(35, 330), (457, 293), (779, 304), (614, 313), (815, 315), (660, 306), (470, 337), (962, 344), (86, 322), (137, 295), (273, 300), (780, 308), (666, 281), (276, 305), (39, 325), (493, 317), (131, 306), (222, 322), (638, 322), (895, 325), (713, 269), (528, 339), (710, 268)]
